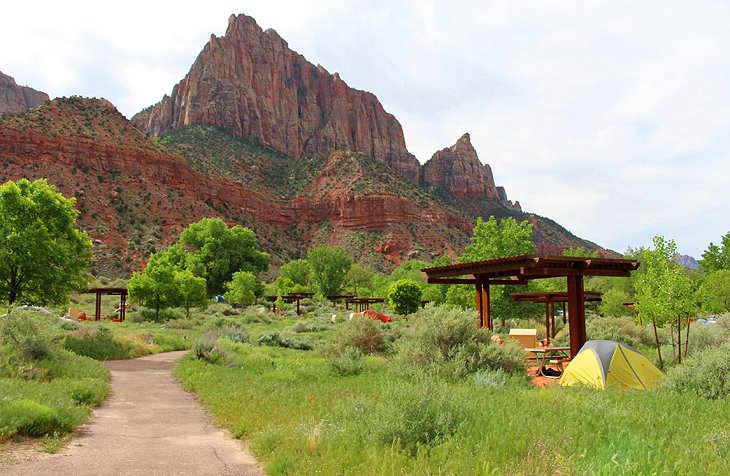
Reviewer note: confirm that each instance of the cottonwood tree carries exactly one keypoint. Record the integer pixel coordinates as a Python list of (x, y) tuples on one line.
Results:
[(329, 267), (405, 296), (215, 251), (243, 288), (498, 239), (663, 291), (716, 257), (43, 256)]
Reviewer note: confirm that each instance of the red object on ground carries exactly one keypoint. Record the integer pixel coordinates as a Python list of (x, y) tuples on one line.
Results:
[(82, 316), (374, 315)]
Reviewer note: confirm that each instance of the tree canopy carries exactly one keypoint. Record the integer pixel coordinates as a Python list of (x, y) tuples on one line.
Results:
[(716, 257), (215, 251), (498, 239), (329, 267), (43, 256)]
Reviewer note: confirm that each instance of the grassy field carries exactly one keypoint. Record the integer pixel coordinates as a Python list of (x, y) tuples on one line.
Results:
[(302, 417)]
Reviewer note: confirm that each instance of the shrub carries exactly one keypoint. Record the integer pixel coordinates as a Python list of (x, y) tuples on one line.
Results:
[(361, 332), (706, 374), (705, 336), (618, 329), (96, 342), (309, 326), (412, 416), (405, 296), (234, 332), (491, 378), (31, 335), (204, 345), (167, 314), (275, 339), (349, 362), (445, 342)]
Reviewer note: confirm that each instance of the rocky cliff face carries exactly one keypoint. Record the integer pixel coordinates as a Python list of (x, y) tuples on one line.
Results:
[(457, 171), (14, 98), (250, 83)]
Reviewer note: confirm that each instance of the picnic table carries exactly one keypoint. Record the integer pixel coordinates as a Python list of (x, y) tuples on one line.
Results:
[(543, 355)]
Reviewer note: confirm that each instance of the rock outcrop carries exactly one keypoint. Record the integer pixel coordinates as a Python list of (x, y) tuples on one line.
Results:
[(14, 98), (458, 171), (251, 83)]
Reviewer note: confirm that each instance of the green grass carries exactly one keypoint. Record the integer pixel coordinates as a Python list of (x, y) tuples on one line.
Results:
[(301, 418)]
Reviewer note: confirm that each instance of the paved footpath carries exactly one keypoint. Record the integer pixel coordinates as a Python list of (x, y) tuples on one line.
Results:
[(149, 426)]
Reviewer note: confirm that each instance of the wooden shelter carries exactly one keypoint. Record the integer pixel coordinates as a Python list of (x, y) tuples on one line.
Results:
[(362, 304), (550, 298), (121, 292), (515, 270)]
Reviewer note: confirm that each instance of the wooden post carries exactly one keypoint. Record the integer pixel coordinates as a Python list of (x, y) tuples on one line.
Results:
[(552, 317), (480, 301), (547, 320), (97, 315), (576, 314), (487, 306)]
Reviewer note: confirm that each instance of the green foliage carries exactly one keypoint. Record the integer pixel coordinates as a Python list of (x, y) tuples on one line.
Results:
[(350, 362), (329, 267), (96, 342), (618, 329), (243, 288), (43, 256), (405, 296), (663, 289), (498, 239), (362, 333), (29, 418), (191, 290), (580, 252), (275, 339), (359, 280), (714, 292), (444, 342), (412, 417), (461, 297), (716, 257), (30, 335), (297, 271), (156, 286), (309, 326), (612, 303), (214, 251), (706, 374)]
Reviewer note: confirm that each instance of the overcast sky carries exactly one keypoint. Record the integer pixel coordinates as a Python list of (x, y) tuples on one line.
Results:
[(610, 117)]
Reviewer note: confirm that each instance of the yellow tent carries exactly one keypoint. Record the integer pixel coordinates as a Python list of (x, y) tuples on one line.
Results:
[(605, 362)]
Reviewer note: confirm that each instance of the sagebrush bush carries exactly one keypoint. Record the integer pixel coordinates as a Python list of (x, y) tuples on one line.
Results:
[(204, 345), (31, 335), (444, 342), (619, 329), (234, 332), (706, 374), (413, 416), (96, 342), (350, 362), (149, 314), (275, 339), (704, 336), (309, 326), (361, 332)]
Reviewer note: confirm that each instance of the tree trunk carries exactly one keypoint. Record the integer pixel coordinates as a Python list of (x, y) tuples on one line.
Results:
[(679, 339), (658, 348), (686, 339)]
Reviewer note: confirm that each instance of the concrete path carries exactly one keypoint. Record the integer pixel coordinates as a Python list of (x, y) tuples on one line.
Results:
[(149, 426)]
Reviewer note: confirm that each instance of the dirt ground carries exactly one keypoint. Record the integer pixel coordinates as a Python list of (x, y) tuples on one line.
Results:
[(149, 426)]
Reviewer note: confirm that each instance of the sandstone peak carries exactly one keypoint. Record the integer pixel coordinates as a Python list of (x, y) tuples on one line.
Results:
[(250, 83), (14, 98)]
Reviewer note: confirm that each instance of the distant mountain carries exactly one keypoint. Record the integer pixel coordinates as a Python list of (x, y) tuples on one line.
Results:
[(686, 261), (260, 137), (14, 98)]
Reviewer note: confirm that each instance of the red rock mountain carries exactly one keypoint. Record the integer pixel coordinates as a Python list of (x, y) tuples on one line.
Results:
[(458, 171), (250, 83), (14, 98)]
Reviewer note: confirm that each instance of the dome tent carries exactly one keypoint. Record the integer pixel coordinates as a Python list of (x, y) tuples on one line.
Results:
[(604, 362)]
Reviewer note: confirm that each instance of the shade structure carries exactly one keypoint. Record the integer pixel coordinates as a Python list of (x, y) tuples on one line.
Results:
[(549, 298), (515, 270), (601, 363)]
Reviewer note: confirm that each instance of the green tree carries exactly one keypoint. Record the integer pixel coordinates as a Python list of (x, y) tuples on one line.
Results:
[(215, 251), (329, 267), (191, 290), (405, 296), (580, 252), (499, 239), (156, 287), (612, 303), (716, 257), (297, 271), (43, 256), (663, 290), (360, 279), (714, 292), (243, 288)]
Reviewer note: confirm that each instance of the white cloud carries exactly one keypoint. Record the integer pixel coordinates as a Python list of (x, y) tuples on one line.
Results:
[(609, 117)]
